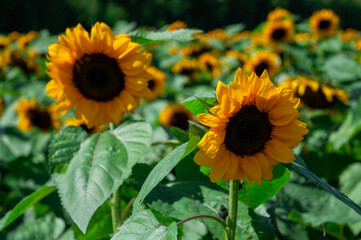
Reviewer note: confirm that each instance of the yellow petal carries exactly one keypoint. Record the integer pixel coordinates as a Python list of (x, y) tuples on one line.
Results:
[(279, 152)]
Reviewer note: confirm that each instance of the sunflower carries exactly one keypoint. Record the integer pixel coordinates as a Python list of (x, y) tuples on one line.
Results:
[(278, 14), (176, 115), (217, 33), (187, 67), (103, 75), (240, 35), (193, 50), (81, 123), (358, 44), (4, 42), (25, 39), (302, 37), (177, 25), (263, 60), (324, 23), (253, 128), (208, 62), (157, 83), (32, 115), (278, 31), (349, 35), (315, 94), (25, 60)]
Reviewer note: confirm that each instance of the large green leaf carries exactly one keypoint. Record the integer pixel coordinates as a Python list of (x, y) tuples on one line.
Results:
[(25, 204), (101, 165), (63, 146), (254, 195), (322, 184), (340, 68), (144, 226), (181, 200), (144, 36)]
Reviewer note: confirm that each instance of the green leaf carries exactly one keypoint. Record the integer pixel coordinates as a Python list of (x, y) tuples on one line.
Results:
[(160, 171), (322, 184), (45, 228), (13, 144), (101, 165), (199, 106), (144, 36), (333, 45), (144, 226), (63, 146), (25, 204), (341, 68), (235, 28), (95, 172), (181, 200), (254, 195)]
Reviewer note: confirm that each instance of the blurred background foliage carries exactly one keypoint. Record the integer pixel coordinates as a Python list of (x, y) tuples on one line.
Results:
[(56, 16)]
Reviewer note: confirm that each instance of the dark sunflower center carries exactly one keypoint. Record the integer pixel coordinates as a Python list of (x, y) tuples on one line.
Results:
[(151, 84), (39, 118), (209, 66), (180, 120), (324, 24), (315, 99), (248, 131), (278, 34), (18, 61), (260, 68), (98, 77)]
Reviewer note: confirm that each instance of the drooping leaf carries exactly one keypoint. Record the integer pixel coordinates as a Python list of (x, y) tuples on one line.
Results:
[(322, 184), (13, 144), (63, 146), (25, 204), (144, 226), (341, 68), (182, 35)]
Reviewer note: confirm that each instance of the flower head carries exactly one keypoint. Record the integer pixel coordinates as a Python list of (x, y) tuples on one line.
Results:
[(157, 83), (32, 115), (263, 60), (176, 115), (253, 128), (103, 75), (324, 23)]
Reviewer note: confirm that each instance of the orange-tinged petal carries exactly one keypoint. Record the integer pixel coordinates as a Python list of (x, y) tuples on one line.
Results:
[(279, 152), (210, 120)]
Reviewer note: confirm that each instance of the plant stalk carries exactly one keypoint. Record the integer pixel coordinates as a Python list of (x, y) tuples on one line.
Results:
[(115, 209), (233, 207)]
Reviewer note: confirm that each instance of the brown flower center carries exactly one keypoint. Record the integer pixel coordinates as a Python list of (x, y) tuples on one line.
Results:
[(278, 34), (180, 120), (39, 118), (98, 77), (248, 131), (324, 24), (260, 68), (151, 84), (315, 99)]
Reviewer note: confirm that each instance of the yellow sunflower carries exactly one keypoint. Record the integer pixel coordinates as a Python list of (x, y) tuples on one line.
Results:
[(278, 14), (208, 62), (177, 25), (14, 35), (81, 123), (217, 33), (278, 31), (176, 115), (4, 42), (103, 75), (301, 37), (25, 39), (349, 35), (25, 60), (32, 115), (241, 35), (187, 67), (263, 60), (324, 23), (253, 128), (315, 94), (157, 83), (193, 50)]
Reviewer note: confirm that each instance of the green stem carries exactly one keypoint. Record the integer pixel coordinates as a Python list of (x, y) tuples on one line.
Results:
[(115, 209), (205, 216), (126, 209), (233, 205)]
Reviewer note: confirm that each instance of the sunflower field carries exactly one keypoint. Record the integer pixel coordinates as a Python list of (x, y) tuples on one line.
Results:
[(124, 132)]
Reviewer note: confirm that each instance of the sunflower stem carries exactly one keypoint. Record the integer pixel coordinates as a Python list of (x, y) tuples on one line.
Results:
[(115, 209), (233, 207)]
